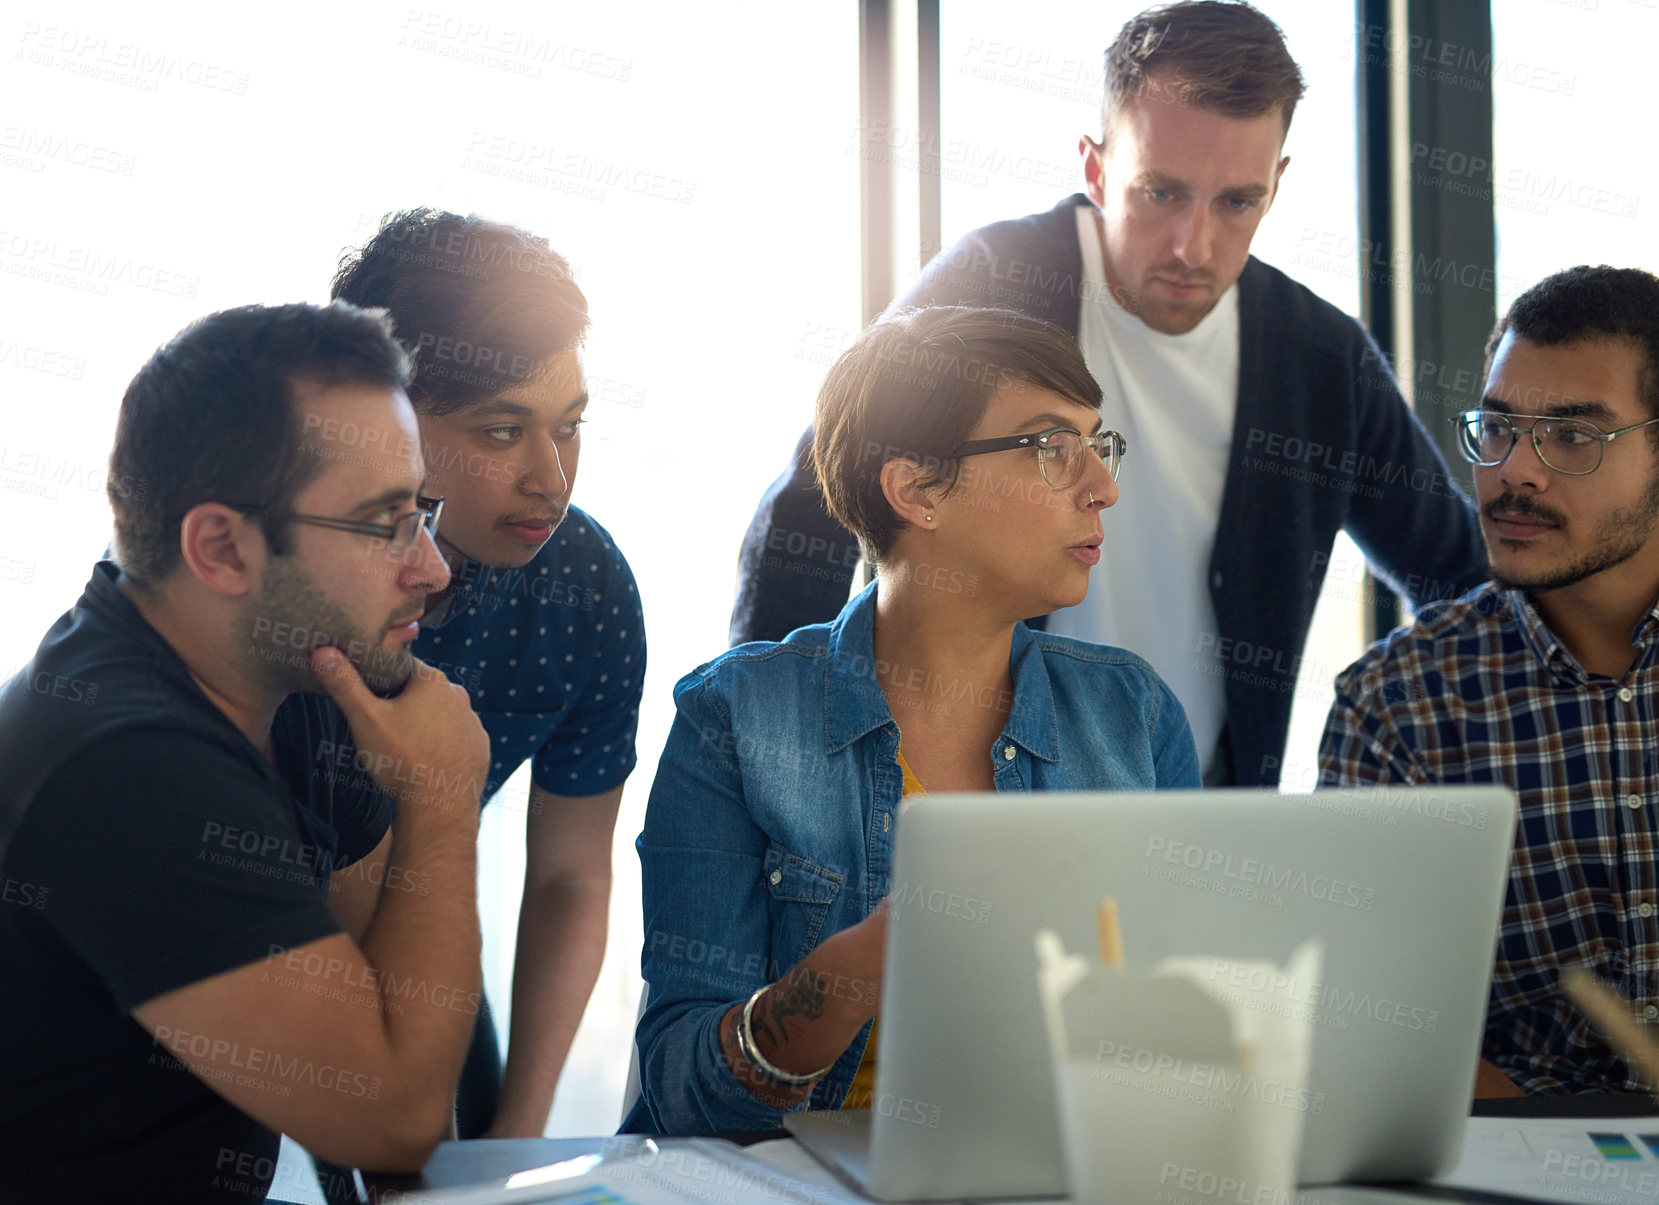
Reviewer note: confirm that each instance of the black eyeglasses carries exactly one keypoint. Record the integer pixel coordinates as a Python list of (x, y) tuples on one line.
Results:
[(1060, 452), (399, 536), (1567, 445)]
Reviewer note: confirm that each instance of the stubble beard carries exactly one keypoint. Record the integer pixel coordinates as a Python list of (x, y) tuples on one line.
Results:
[(1620, 536), (293, 598)]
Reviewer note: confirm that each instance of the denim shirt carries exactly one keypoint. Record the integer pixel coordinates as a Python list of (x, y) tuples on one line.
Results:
[(773, 813)]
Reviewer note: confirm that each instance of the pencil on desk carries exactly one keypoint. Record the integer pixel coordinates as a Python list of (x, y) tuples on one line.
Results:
[(1111, 936), (1610, 1013)]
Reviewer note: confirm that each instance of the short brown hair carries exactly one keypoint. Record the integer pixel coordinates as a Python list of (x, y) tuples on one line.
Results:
[(483, 306), (1221, 55), (212, 417), (1587, 303), (913, 387)]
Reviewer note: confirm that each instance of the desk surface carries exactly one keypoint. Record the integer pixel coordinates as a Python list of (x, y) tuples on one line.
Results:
[(457, 1164), (460, 1164)]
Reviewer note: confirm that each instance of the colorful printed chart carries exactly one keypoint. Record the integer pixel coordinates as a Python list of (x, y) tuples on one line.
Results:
[(1607, 1160), (1615, 1146)]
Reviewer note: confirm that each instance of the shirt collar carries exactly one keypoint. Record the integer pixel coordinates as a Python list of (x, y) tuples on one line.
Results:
[(470, 580), (1647, 628), (1534, 630), (1031, 720), (103, 597), (1555, 655), (854, 704)]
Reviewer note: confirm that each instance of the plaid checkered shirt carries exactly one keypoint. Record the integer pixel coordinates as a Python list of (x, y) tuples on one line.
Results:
[(1480, 691)]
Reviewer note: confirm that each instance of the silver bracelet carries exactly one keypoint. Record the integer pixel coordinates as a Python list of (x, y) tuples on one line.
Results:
[(768, 1069)]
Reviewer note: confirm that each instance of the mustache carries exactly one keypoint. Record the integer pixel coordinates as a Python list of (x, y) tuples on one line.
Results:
[(1517, 505), (406, 617), (555, 517)]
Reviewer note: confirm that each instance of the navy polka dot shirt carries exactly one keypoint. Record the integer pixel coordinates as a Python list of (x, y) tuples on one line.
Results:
[(553, 655)]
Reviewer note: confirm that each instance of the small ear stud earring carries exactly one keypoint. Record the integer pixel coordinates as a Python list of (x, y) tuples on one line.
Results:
[(929, 518)]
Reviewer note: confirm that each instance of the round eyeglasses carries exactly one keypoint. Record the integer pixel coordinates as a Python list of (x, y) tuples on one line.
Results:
[(1567, 445), (400, 536), (1061, 452)]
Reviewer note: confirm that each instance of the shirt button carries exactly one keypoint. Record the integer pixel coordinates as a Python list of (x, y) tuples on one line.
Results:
[(776, 877), (1626, 694), (1008, 753), (1651, 1012), (1632, 801), (1644, 910)]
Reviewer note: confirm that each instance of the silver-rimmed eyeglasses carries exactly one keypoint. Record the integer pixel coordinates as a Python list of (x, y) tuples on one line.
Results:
[(1061, 452), (1567, 445), (399, 536)]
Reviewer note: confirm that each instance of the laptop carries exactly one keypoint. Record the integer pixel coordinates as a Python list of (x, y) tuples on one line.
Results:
[(1404, 886)]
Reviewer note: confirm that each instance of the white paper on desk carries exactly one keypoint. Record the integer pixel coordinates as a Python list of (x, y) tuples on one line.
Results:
[(716, 1170), (647, 1173), (787, 1155), (1555, 1159)]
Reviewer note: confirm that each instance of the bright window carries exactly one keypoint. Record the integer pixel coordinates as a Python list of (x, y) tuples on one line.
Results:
[(1572, 177), (696, 163)]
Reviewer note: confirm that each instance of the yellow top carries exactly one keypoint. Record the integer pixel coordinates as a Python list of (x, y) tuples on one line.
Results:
[(912, 784), (862, 1095)]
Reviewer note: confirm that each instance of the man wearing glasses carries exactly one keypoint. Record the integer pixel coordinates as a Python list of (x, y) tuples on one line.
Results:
[(212, 927), (1263, 420), (1545, 679)]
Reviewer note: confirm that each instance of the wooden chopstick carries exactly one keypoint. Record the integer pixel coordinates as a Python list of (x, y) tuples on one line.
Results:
[(1610, 1013), (1111, 935)]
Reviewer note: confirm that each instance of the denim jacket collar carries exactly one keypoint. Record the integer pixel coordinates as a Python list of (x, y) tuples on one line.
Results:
[(854, 704), (1031, 721)]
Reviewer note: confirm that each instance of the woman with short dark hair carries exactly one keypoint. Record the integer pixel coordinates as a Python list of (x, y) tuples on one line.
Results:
[(964, 447)]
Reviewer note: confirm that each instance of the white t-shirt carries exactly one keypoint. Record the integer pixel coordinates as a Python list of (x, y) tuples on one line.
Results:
[(1174, 398)]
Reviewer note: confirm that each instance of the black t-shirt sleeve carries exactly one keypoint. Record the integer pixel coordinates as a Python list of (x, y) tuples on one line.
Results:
[(168, 859)]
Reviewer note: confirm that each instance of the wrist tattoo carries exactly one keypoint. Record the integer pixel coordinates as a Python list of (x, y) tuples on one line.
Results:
[(729, 1045), (800, 995)]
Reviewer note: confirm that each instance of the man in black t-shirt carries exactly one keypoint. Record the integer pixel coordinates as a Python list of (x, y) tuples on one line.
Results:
[(229, 906)]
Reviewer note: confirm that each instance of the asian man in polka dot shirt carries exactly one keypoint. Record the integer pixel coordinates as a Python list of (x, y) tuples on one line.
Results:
[(542, 620)]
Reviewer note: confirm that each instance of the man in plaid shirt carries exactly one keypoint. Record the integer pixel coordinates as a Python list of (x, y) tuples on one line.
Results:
[(1546, 680)]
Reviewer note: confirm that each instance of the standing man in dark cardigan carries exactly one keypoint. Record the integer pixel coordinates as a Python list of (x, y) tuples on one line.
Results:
[(1260, 419)]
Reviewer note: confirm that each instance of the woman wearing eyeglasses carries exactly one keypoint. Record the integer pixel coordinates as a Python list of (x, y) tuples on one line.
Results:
[(964, 448)]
